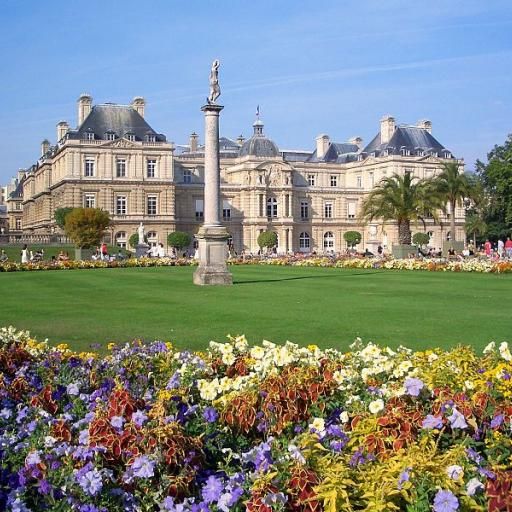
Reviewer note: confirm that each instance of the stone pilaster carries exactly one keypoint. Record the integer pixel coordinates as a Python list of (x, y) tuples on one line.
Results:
[(212, 235)]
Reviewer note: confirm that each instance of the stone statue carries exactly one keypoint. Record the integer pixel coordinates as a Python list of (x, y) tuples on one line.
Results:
[(214, 82), (140, 229)]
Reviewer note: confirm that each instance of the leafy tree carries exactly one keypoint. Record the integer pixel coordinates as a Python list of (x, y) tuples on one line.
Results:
[(179, 240), (420, 239), (86, 226), (267, 239), (352, 238), (134, 239), (60, 215), (403, 199), (451, 187), (477, 206), (496, 178)]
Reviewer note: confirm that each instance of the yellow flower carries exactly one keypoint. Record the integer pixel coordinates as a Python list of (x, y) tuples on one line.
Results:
[(312, 348), (111, 345), (62, 347)]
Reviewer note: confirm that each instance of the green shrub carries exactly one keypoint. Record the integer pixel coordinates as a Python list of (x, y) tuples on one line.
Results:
[(420, 239), (60, 215), (352, 238), (179, 240), (267, 239)]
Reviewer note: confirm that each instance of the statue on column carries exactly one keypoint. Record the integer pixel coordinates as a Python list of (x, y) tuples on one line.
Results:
[(214, 83), (140, 229)]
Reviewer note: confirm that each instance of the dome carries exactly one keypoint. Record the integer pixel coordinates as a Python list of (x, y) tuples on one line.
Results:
[(258, 144)]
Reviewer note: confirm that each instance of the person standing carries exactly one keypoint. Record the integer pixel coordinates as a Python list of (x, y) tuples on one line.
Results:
[(487, 248), (160, 252), (508, 247), (25, 254), (104, 251), (501, 248)]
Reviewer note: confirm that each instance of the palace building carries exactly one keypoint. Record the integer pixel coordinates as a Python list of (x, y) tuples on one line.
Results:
[(115, 160)]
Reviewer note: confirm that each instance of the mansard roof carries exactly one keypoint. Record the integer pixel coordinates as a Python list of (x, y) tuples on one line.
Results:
[(410, 138), (117, 119), (337, 152)]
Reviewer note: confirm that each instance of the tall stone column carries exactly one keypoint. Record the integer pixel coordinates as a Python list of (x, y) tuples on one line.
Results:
[(212, 236)]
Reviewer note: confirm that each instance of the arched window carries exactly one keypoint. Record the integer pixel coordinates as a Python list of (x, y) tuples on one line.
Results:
[(329, 241), (152, 238), (272, 208), (121, 238), (304, 242)]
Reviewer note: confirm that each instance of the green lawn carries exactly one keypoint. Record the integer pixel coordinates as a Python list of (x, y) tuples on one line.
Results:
[(329, 307)]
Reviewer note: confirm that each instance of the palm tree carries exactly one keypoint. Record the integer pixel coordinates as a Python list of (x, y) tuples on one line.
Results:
[(452, 187), (403, 199), (477, 204)]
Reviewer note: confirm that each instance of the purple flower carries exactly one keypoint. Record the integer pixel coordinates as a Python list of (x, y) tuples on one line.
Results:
[(413, 386), (474, 455), (138, 418), (457, 419), (45, 487), (117, 422), (497, 421), (143, 467), (213, 489), (5, 413), (210, 414), (473, 486), (73, 389), (404, 477), (174, 381), (90, 481), (432, 421), (445, 501), (33, 458)]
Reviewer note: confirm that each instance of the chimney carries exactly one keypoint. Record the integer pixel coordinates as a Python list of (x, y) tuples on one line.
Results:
[(387, 128), (425, 124), (193, 142), (138, 104), (322, 144), (358, 141), (45, 146), (62, 129), (84, 107), (240, 139)]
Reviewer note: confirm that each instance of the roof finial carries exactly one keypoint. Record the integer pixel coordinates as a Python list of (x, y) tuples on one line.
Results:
[(258, 125)]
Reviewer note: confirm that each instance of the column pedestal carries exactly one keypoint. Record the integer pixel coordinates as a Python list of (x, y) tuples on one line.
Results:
[(213, 269)]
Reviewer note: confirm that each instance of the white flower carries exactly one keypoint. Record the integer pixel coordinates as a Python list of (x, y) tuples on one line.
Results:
[(228, 358), (454, 471), (318, 424), (344, 417), (432, 357), (241, 343), (469, 385), (473, 485), (257, 353), (376, 406), (490, 347), (505, 351)]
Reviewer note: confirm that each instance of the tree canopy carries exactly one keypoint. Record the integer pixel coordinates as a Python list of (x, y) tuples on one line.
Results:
[(267, 239), (60, 215), (352, 237), (496, 177), (179, 240), (86, 226), (403, 199)]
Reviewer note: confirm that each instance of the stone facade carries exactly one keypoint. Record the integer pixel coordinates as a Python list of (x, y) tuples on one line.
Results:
[(114, 160)]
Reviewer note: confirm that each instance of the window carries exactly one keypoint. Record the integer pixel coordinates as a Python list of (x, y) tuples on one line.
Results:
[(18, 206), (121, 239), (371, 179), (18, 224), (304, 241), (121, 168), (110, 135), (226, 210), (304, 210), (151, 205), (150, 137), (152, 238), (359, 181), (121, 205), (199, 209), (405, 152), (89, 136), (272, 207), (334, 180), (89, 167), (311, 180), (187, 176), (351, 210), (129, 136), (89, 200), (328, 241), (151, 168), (328, 210)]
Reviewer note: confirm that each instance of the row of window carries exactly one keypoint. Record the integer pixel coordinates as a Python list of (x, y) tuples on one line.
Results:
[(226, 210), (121, 168), (272, 211), (121, 203), (149, 137)]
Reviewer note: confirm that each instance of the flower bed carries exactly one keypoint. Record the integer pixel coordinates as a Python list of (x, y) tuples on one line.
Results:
[(431, 265), (260, 428)]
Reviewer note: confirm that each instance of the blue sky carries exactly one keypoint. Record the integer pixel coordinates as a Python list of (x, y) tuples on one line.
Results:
[(313, 67)]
